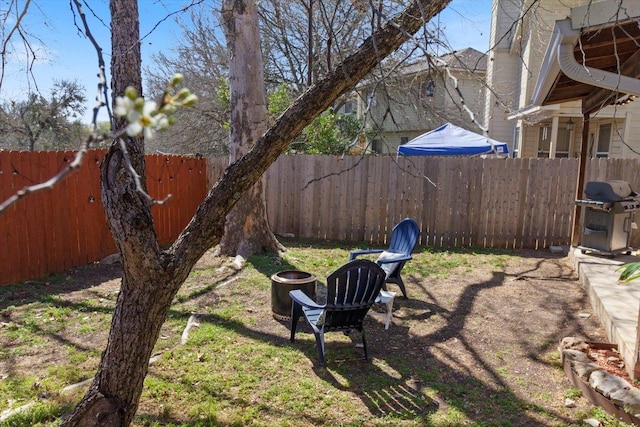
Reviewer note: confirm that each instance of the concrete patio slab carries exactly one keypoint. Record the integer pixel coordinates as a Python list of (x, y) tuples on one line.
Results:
[(616, 305)]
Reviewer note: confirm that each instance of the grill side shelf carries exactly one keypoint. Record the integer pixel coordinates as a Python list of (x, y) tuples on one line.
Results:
[(594, 204)]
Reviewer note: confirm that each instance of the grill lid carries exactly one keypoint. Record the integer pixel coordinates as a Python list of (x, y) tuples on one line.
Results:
[(608, 191)]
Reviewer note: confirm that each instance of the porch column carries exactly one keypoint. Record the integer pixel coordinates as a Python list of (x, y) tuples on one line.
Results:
[(582, 166), (553, 144)]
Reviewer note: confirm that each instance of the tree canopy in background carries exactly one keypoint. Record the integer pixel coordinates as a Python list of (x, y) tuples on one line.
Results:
[(301, 40), (39, 123)]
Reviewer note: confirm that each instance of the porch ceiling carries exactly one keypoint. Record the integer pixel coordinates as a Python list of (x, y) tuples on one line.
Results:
[(593, 56), (607, 49)]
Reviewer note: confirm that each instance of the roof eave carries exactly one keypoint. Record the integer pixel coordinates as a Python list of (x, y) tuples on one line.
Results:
[(559, 57), (534, 113), (550, 69)]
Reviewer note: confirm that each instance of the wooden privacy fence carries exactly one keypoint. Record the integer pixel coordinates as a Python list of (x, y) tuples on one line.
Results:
[(54, 230), (499, 203)]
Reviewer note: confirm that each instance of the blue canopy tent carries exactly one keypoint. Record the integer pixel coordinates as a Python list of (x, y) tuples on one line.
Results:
[(451, 140)]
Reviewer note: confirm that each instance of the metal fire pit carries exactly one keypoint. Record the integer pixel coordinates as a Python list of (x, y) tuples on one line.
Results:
[(285, 281), (608, 217)]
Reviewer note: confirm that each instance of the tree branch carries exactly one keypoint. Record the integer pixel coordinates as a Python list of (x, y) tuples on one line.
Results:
[(15, 28)]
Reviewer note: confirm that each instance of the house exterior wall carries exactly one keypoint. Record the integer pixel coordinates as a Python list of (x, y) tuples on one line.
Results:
[(525, 74), (472, 90), (529, 143), (513, 69), (537, 29), (632, 132), (625, 142), (617, 138), (502, 73), (401, 110)]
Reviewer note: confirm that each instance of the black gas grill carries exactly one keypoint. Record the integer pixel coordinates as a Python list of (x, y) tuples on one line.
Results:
[(608, 217)]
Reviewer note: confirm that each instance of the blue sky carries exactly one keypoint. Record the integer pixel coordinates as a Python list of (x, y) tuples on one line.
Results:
[(65, 54), (466, 23)]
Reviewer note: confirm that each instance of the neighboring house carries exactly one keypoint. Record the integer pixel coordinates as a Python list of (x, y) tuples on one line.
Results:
[(419, 97), (518, 45)]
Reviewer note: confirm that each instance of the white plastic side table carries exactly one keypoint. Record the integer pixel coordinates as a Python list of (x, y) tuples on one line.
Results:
[(386, 298)]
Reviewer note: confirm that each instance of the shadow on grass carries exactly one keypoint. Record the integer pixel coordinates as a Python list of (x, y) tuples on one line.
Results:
[(411, 380), (413, 376), (80, 278)]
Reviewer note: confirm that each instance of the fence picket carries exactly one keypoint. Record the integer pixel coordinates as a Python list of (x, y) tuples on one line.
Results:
[(565, 200), (99, 240), (372, 200), (356, 198), (21, 179), (510, 174), (6, 272), (429, 169)]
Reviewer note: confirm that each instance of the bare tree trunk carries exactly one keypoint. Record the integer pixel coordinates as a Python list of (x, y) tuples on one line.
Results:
[(247, 228), (152, 277), (147, 287), (310, 41)]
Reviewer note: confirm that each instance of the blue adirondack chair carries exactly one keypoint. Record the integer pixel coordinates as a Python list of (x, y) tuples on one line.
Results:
[(351, 291), (403, 240)]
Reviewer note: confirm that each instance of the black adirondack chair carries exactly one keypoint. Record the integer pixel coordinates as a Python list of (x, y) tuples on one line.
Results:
[(351, 291), (403, 240)]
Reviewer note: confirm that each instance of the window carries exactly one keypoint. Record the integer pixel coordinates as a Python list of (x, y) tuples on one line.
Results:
[(544, 140), (604, 140), (564, 138), (428, 88), (562, 144), (371, 99), (376, 146)]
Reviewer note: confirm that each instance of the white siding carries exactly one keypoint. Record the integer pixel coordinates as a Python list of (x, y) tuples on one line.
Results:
[(531, 134), (500, 71), (632, 132), (538, 29), (617, 136), (504, 14)]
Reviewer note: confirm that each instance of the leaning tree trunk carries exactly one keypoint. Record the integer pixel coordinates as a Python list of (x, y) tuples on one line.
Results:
[(151, 276), (247, 228)]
